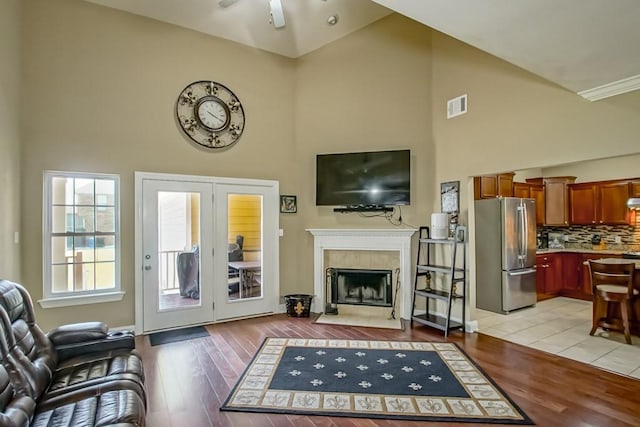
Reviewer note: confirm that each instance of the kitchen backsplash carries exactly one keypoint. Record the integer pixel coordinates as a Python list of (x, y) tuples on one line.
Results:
[(580, 236)]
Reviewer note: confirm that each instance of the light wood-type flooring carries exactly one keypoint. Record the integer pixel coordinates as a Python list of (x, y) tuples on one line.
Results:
[(188, 381)]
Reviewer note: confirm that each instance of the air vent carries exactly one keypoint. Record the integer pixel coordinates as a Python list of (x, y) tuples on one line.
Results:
[(457, 106)]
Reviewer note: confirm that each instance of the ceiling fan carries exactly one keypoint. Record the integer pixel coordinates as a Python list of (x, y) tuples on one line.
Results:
[(277, 14)]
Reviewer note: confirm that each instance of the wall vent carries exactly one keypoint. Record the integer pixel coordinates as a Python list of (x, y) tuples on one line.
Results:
[(457, 106)]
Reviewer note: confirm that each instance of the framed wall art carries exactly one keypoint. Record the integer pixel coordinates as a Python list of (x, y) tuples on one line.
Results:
[(288, 204), (450, 197)]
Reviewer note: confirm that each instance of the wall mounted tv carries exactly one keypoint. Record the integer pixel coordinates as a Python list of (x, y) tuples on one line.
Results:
[(365, 180)]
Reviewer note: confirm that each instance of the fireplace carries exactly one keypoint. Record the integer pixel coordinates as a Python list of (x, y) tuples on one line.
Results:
[(361, 286), (344, 248)]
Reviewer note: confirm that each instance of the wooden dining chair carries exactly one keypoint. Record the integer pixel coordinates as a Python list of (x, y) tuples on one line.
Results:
[(612, 284)]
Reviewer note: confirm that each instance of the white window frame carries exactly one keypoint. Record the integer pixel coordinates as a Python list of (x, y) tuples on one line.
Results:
[(62, 299)]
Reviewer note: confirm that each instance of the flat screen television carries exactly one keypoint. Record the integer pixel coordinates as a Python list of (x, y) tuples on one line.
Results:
[(365, 179)]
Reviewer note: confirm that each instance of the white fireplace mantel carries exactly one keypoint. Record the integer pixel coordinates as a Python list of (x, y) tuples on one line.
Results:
[(397, 239)]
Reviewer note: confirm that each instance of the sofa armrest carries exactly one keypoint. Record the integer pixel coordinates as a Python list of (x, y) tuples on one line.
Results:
[(90, 337), (76, 333)]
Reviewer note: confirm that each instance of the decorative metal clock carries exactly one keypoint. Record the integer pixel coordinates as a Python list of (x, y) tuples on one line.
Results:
[(210, 114)]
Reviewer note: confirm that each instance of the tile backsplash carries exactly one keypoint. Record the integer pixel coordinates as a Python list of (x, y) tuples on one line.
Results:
[(580, 236)]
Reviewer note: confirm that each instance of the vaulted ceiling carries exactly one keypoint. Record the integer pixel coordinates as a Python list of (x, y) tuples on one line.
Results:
[(591, 47)]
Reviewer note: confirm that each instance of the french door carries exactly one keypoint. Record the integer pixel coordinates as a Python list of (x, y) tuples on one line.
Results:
[(176, 249), (206, 249), (252, 281)]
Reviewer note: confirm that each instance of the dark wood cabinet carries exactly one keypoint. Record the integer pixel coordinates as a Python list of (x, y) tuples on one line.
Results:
[(599, 203), (582, 204), (490, 186), (505, 184), (634, 188), (548, 275), (521, 189), (556, 196), (536, 191)]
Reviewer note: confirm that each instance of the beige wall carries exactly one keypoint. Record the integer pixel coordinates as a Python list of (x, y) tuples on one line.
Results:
[(517, 121), (368, 91), (10, 45), (102, 85), (100, 88)]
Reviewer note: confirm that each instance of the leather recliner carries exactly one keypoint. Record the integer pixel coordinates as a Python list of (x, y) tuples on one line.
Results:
[(76, 375)]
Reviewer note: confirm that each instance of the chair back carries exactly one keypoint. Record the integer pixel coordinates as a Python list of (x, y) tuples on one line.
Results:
[(612, 274)]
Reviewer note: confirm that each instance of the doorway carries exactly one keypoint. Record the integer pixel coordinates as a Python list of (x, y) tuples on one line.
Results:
[(206, 250)]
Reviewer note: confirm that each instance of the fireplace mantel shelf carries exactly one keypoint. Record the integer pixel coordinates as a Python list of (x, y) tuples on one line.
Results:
[(361, 231)]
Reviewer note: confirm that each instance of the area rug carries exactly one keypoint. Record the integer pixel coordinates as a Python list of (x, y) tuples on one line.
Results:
[(176, 335), (371, 379)]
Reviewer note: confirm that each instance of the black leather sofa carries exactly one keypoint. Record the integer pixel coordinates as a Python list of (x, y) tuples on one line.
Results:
[(75, 375)]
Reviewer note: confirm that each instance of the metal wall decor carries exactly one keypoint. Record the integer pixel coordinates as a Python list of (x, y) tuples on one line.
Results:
[(210, 114)]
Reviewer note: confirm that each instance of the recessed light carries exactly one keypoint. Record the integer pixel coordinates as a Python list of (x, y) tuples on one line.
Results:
[(333, 19)]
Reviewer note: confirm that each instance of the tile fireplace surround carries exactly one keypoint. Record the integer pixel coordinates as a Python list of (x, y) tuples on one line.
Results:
[(389, 246)]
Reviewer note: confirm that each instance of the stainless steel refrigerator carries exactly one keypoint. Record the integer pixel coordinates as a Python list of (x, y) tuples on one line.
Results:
[(505, 253)]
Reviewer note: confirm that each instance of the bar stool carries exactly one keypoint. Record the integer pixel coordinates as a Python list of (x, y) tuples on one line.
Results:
[(612, 284)]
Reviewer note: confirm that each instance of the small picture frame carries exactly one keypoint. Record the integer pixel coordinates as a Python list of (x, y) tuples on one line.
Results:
[(450, 197), (288, 204)]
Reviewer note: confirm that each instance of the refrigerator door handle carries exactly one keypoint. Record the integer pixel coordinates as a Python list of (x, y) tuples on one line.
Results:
[(525, 227), (521, 272), (522, 243)]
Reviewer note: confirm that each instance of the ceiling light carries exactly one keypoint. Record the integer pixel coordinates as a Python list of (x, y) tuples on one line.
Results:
[(333, 19), (277, 14)]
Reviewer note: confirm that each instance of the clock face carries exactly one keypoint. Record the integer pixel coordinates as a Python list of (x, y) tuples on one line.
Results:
[(210, 114)]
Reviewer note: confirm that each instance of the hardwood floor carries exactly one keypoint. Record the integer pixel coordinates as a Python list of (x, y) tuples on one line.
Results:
[(188, 381)]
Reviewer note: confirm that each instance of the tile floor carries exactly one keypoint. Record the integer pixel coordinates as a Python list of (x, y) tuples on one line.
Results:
[(561, 326)]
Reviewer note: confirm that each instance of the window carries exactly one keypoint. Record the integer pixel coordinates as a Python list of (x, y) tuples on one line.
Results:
[(82, 238)]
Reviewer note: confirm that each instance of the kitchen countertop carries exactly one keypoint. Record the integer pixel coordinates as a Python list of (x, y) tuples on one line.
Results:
[(582, 251), (617, 261)]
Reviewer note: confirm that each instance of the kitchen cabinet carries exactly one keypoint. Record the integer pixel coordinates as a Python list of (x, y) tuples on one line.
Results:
[(634, 188), (571, 275), (548, 275), (536, 191), (599, 203), (582, 202), (556, 196), (490, 186), (521, 189)]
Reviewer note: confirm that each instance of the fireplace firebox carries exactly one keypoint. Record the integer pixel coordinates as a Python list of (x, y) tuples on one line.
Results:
[(361, 287)]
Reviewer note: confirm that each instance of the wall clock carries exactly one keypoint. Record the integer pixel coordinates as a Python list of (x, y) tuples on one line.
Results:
[(210, 114), (450, 196)]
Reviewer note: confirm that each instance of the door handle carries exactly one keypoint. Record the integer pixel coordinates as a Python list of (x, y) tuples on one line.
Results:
[(520, 273)]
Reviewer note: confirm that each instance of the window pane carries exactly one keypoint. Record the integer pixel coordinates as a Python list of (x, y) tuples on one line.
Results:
[(83, 249), (61, 219), (61, 250), (105, 220), (85, 281), (105, 275), (105, 192), (84, 219), (62, 191), (62, 278), (84, 191), (105, 248)]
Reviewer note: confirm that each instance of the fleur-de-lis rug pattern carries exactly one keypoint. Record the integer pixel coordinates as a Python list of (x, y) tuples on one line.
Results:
[(372, 379)]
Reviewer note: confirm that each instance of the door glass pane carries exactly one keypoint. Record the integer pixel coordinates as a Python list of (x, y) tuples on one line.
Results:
[(178, 250), (244, 246)]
